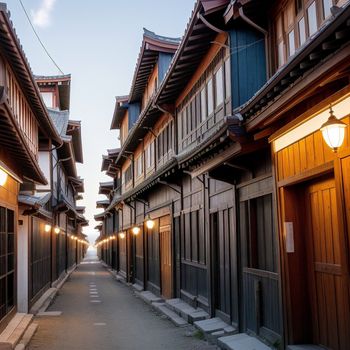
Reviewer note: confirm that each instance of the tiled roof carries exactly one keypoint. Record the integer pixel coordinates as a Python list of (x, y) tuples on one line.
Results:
[(60, 120)]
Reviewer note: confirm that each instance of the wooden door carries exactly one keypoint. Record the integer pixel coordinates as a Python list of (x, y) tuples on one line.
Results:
[(221, 224), (327, 277), (166, 267)]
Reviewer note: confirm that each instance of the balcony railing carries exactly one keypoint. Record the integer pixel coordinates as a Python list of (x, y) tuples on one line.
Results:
[(22, 112)]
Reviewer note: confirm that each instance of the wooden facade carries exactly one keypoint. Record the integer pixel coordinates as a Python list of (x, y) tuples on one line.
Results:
[(249, 205)]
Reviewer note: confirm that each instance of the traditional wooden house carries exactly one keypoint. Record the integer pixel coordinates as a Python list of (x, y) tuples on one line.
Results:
[(146, 154), (308, 83), (68, 242), (25, 124)]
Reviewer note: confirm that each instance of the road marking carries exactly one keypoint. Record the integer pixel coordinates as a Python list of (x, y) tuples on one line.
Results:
[(95, 301), (99, 324), (94, 296), (93, 292)]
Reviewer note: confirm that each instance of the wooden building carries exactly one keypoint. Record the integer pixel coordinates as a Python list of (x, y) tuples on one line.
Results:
[(311, 181), (225, 193), (68, 243), (25, 123)]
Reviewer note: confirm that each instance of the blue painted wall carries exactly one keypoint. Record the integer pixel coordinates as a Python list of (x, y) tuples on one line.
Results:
[(163, 64), (134, 112), (248, 63)]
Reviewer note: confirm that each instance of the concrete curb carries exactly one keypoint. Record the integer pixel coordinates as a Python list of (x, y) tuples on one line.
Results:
[(40, 307), (47, 298)]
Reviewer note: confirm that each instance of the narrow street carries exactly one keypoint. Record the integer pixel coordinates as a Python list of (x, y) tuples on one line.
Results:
[(100, 313)]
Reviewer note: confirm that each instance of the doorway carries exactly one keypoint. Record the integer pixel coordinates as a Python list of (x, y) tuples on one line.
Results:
[(323, 297), (166, 267)]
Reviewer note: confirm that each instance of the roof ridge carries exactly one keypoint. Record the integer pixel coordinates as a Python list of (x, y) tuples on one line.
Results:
[(150, 34)]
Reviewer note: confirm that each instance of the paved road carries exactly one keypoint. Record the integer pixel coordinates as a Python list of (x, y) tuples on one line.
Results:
[(101, 314)]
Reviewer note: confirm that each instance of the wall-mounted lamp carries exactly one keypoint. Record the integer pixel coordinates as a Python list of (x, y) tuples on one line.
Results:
[(333, 131), (47, 228), (135, 230), (122, 235), (57, 230), (3, 177), (149, 222)]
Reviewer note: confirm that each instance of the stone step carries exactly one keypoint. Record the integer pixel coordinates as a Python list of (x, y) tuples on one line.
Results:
[(148, 297), (170, 314), (211, 325), (137, 287), (241, 341), (15, 329), (304, 347), (189, 313)]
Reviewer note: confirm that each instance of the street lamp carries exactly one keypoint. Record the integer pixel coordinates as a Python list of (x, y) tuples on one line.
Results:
[(333, 131), (135, 230), (57, 230), (121, 235), (47, 228), (3, 177)]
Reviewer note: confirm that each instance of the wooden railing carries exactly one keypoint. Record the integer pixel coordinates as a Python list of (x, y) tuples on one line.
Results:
[(22, 112)]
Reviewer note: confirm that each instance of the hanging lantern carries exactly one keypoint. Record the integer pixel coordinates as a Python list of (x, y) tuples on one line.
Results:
[(135, 230), (57, 230), (47, 228), (149, 222), (122, 235), (333, 131)]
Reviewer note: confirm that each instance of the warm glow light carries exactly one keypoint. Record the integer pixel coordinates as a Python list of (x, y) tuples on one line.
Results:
[(3, 177), (136, 230), (150, 224), (47, 228), (57, 230), (122, 235), (333, 132)]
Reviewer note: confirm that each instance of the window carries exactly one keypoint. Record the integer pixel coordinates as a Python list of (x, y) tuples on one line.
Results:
[(210, 102), (280, 54), (219, 92), (139, 166), (258, 228), (127, 175), (227, 79), (312, 18), (280, 42), (298, 6), (150, 155), (165, 141), (291, 43), (302, 33), (7, 261), (203, 105), (327, 4), (48, 99)]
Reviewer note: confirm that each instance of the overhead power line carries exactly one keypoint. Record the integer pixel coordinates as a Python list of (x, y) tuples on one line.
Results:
[(37, 35)]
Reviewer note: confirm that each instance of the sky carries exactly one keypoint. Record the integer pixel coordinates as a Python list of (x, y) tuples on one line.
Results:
[(97, 42)]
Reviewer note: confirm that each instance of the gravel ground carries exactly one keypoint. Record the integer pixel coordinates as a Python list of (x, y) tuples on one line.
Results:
[(100, 313)]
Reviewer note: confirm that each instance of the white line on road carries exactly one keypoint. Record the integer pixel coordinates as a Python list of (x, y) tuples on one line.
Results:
[(94, 296), (95, 301), (99, 324)]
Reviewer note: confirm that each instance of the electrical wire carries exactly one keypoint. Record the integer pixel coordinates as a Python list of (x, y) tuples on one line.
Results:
[(37, 35)]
